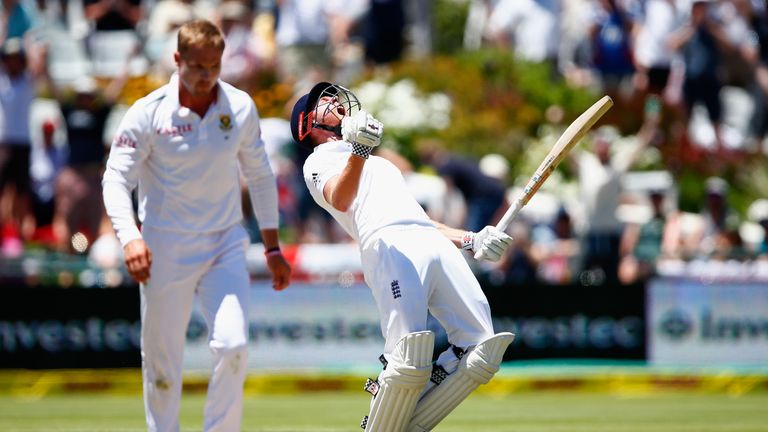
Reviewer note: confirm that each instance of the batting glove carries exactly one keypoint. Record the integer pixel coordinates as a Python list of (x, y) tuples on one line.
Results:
[(488, 244), (363, 132)]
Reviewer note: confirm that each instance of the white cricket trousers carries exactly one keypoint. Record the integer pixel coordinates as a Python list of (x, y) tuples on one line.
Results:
[(213, 267), (413, 269)]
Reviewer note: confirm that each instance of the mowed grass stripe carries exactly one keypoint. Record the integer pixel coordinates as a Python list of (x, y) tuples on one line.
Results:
[(325, 412)]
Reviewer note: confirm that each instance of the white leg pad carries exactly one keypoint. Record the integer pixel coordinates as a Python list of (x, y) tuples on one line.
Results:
[(476, 367), (401, 382)]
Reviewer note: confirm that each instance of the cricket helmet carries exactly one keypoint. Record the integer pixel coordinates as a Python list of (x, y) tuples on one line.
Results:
[(303, 116)]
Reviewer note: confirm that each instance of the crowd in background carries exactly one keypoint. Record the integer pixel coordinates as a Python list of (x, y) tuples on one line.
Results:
[(65, 63)]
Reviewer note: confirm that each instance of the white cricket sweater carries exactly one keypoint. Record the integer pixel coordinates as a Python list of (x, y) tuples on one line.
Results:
[(383, 198), (186, 167)]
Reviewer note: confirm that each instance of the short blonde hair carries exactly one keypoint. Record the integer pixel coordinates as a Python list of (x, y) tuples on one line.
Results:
[(199, 33)]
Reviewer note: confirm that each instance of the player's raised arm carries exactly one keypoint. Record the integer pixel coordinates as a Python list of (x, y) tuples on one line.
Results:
[(364, 133)]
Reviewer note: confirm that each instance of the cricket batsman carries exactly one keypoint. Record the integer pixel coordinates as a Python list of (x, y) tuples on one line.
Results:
[(412, 265)]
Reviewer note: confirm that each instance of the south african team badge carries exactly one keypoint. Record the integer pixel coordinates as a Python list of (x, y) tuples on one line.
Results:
[(225, 122)]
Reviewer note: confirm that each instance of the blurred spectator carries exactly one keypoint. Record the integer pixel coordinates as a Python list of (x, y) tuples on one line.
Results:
[(15, 20), (114, 33), (659, 71), (477, 21), (738, 18), (713, 233), (715, 210), (494, 165), (165, 18), (47, 161), (600, 173), (758, 212), (718, 237), (485, 196), (276, 134), (555, 249), (530, 27), (611, 33), (574, 47), (383, 31), (302, 36), (17, 90), (113, 15), (53, 12), (518, 265), (758, 60), (353, 24), (418, 28), (730, 246), (79, 205), (641, 243), (652, 54), (700, 41), (241, 58), (682, 237)]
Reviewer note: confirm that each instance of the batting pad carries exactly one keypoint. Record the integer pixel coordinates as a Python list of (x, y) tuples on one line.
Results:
[(401, 382), (476, 367)]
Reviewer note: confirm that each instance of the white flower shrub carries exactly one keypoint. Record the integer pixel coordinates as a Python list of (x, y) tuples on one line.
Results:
[(401, 106)]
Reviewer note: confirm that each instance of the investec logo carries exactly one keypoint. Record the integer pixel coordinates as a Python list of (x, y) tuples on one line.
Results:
[(574, 331), (677, 324)]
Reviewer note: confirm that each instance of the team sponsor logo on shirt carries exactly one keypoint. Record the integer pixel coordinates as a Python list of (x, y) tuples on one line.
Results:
[(395, 289), (225, 122), (175, 130), (122, 141)]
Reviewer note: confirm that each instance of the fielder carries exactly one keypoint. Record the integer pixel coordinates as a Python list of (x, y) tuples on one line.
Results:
[(186, 145), (410, 262)]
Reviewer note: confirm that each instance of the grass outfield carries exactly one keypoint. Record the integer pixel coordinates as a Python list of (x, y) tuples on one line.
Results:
[(321, 412)]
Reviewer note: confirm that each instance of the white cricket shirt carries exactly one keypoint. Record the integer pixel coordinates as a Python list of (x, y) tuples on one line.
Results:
[(600, 192), (186, 167), (383, 198)]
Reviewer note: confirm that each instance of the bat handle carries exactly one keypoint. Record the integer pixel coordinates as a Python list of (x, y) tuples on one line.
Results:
[(510, 214)]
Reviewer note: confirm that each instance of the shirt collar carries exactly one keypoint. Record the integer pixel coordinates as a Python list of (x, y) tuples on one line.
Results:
[(221, 104), (334, 146)]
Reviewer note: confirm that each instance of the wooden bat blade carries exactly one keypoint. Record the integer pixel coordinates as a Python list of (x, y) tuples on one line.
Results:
[(572, 135)]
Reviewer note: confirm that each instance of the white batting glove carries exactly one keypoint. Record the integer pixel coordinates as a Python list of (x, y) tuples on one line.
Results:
[(489, 244), (362, 131)]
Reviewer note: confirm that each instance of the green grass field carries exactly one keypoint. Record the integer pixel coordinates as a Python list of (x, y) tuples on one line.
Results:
[(321, 412)]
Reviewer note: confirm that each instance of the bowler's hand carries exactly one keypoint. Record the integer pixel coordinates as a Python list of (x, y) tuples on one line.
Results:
[(138, 260), (490, 244), (281, 271)]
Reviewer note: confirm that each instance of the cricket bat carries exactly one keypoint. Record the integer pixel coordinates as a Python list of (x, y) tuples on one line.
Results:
[(572, 135)]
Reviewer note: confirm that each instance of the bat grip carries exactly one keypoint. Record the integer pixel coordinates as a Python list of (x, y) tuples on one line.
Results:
[(510, 214)]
